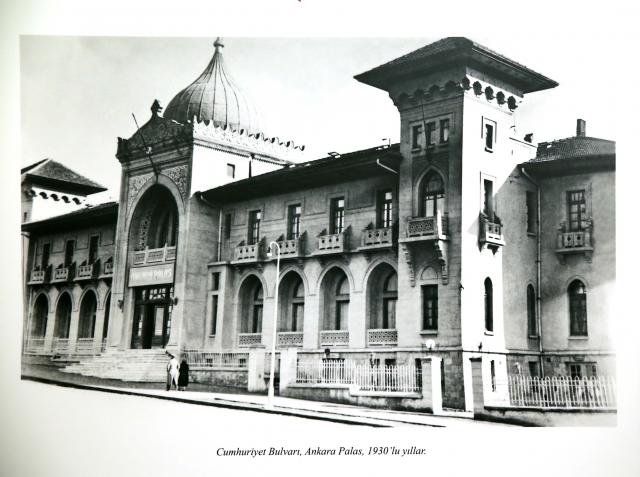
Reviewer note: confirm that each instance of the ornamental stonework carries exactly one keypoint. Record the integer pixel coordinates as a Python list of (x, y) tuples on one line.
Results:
[(135, 184), (178, 175)]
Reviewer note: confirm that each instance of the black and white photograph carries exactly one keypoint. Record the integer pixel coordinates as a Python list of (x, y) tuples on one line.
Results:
[(269, 251)]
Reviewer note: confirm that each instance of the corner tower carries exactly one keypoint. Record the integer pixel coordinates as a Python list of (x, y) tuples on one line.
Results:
[(456, 100)]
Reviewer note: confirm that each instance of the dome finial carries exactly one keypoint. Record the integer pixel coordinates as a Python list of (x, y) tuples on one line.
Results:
[(218, 44)]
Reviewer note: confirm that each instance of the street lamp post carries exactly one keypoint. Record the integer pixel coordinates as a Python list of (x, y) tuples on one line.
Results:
[(275, 325)]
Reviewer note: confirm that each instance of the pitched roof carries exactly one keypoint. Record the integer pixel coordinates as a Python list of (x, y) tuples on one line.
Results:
[(335, 169), (90, 215), (453, 51), (50, 173)]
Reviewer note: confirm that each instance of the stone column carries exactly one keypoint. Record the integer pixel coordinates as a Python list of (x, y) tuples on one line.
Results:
[(73, 329), (97, 330), (48, 337), (431, 390), (255, 371), (288, 365)]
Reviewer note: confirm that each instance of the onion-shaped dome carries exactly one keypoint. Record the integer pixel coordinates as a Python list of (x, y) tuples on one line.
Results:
[(213, 96)]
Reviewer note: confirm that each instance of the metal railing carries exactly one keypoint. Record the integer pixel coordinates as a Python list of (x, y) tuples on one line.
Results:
[(154, 255), (360, 377), (210, 359), (562, 392)]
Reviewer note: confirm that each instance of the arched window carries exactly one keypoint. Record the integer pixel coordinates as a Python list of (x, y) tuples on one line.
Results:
[(63, 316), (87, 315), (256, 306), (577, 309), (432, 195), (531, 311), (39, 317), (297, 307), (488, 305), (389, 299), (342, 304)]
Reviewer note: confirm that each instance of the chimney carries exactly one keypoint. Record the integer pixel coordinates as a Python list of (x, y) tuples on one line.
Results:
[(581, 128)]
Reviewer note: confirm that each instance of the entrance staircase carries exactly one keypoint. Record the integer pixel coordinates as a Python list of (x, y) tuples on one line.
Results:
[(136, 365)]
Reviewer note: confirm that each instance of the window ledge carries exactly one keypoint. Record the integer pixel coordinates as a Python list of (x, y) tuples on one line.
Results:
[(212, 336), (488, 150), (534, 337), (488, 333), (429, 332), (531, 234), (416, 149), (578, 337)]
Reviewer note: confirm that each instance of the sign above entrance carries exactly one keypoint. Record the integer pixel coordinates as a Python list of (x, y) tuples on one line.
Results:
[(152, 275)]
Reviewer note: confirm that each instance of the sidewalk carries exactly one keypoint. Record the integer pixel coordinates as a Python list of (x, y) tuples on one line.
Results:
[(228, 398)]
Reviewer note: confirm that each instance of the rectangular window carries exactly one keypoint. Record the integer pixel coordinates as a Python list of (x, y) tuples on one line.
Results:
[(337, 216), (430, 307), (68, 253), (293, 227), (431, 134), (489, 134), (46, 250), (575, 371), (493, 375), (214, 314), (487, 206), (254, 227), (385, 209), (215, 281), (227, 226), (93, 248), (534, 369), (583, 370), (444, 131), (576, 210), (231, 170), (416, 132), (531, 212)]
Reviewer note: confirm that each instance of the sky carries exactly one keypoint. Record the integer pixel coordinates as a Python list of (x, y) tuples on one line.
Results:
[(78, 93)]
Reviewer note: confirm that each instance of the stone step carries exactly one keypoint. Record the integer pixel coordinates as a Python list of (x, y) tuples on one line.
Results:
[(127, 365)]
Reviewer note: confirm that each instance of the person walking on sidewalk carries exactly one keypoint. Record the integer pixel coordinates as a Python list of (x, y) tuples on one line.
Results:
[(172, 372), (183, 378)]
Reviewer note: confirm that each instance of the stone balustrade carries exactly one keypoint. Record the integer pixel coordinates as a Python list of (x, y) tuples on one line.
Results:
[(334, 338), (37, 277), (247, 253), (332, 243), (490, 232), (382, 337), (289, 339), (86, 272), (154, 255), (377, 238), (428, 228), (246, 340)]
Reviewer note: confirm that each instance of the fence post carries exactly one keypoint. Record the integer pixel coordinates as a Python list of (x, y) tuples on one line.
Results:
[(288, 364), (431, 390), (255, 371)]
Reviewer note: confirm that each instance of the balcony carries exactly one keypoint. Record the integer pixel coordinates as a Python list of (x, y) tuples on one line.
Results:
[(330, 244), (382, 337), (373, 239), (150, 256), (248, 253), (248, 340), (291, 248), (87, 272), (107, 269), (39, 277), (289, 339), (334, 338), (62, 274), (428, 228), (575, 241), (491, 232)]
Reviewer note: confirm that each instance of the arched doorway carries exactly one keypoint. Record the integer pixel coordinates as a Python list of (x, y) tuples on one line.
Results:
[(382, 296), (334, 308), (153, 237), (291, 303), (63, 317), (87, 322), (251, 305), (39, 317)]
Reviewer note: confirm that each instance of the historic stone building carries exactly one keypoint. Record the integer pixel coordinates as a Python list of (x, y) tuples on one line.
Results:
[(462, 241)]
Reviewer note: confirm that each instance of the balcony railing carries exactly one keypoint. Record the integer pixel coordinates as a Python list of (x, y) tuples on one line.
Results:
[(248, 253), (289, 338), (333, 243), (38, 277), (35, 345), (154, 255), (107, 269), (62, 274), (382, 337), (86, 272), (61, 345), (291, 248), (574, 241), (490, 232), (334, 338), (85, 346), (428, 228), (377, 238), (246, 340)]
